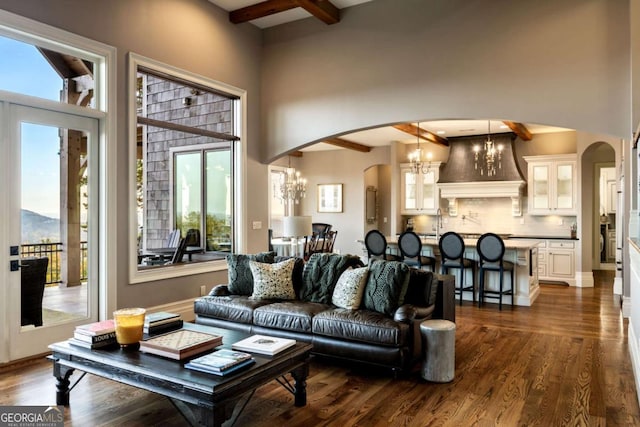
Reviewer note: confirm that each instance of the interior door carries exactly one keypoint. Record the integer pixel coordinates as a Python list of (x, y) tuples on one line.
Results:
[(51, 183)]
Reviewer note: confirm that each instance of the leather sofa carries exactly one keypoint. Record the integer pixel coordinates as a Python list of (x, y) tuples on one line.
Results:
[(390, 339)]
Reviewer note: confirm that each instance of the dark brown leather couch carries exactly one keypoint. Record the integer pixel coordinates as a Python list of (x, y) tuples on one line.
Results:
[(362, 335)]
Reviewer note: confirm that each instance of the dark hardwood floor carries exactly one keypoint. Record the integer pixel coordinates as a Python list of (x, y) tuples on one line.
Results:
[(562, 362)]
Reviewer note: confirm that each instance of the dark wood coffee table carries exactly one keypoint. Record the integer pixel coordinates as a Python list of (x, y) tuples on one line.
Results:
[(203, 398)]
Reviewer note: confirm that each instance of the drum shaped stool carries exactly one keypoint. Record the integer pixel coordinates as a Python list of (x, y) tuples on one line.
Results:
[(439, 339)]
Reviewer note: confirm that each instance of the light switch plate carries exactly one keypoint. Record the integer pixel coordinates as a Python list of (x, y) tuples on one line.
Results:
[(257, 225)]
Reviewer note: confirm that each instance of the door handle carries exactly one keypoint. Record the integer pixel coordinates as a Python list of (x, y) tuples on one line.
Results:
[(14, 265)]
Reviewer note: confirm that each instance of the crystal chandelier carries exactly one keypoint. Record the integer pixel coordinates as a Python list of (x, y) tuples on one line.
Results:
[(292, 186), (417, 165), (489, 156)]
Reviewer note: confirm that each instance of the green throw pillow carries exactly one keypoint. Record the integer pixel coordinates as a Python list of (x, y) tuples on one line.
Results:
[(386, 286), (240, 276), (321, 273)]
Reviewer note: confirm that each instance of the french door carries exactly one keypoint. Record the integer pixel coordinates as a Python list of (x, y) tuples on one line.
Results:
[(50, 183)]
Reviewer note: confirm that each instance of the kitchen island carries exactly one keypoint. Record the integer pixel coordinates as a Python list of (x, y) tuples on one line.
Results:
[(522, 253)]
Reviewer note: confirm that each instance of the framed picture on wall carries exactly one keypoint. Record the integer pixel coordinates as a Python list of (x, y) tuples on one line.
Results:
[(329, 197)]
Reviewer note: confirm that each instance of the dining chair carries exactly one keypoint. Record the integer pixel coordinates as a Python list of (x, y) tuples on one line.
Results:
[(410, 247), (376, 245), (452, 249), (491, 250)]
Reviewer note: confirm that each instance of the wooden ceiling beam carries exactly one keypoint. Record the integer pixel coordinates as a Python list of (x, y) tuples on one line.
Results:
[(260, 10), (296, 153), (339, 142), (422, 133), (324, 10), (519, 129)]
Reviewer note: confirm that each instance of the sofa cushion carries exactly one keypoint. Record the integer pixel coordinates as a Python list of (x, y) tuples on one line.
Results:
[(421, 290), (321, 273), (360, 325), (292, 316), (350, 287), (240, 276), (272, 281), (386, 286), (235, 308)]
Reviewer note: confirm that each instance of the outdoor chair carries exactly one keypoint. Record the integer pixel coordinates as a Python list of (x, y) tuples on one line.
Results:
[(192, 243), (33, 275)]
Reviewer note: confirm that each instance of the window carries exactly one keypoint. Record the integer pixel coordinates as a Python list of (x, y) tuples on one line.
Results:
[(186, 169)]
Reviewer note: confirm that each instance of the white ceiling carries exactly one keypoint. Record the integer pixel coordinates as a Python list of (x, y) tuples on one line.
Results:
[(384, 135), (282, 17)]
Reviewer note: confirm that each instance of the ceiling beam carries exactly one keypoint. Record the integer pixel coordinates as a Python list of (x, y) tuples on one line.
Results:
[(324, 10), (519, 129), (422, 133), (260, 10), (339, 142), (296, 153)]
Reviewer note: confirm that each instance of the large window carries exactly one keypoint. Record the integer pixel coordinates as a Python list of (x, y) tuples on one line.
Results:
[(186, 153)]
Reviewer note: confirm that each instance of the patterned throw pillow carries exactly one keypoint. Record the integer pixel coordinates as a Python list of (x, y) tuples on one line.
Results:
[(240, 277), (386, 286), (273, 281), (350, 287)]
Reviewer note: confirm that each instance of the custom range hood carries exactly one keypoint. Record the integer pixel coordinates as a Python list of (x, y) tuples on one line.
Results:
[(460, 179)]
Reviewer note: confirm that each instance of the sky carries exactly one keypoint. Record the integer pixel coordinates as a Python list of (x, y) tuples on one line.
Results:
[(24, 70)]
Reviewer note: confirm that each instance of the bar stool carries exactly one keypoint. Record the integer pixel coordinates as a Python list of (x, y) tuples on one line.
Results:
[(411, 249), (452, 248), (491, 251), (376, 245)]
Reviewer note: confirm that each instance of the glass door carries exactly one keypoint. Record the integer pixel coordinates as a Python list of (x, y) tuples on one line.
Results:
[(51, 188)]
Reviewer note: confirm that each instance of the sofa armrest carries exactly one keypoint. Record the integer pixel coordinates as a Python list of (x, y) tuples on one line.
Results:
[(445, 298), (405, 314), (220, 291)]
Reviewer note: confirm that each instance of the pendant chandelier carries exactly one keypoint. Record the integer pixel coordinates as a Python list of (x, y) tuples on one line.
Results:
[(417, 164), (292, 187), (488, 157)]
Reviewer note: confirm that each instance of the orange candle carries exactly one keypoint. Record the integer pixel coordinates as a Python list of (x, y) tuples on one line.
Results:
[(129, 325)]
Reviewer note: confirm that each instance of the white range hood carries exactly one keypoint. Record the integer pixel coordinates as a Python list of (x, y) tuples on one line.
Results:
[(452, 191)]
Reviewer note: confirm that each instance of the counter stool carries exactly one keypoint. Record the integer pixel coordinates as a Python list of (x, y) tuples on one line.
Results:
[(491, 251), (439, 342), (411, 249), (452, 252), (376, 245)]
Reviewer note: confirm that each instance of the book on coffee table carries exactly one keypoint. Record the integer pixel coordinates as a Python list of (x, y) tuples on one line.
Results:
[(263, 344), (180, 344), (221, 362)]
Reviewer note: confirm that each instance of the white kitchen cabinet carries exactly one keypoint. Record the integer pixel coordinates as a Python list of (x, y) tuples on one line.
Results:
[(552, 184), (419, 191), (612, 196), (611, 245), (557, 261)]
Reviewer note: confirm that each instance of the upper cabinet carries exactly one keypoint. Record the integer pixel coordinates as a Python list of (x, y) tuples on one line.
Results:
[(552, 184), (419, 191)]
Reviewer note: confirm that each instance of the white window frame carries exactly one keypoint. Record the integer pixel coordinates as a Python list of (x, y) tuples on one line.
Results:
[(240, 161), (104, 58)]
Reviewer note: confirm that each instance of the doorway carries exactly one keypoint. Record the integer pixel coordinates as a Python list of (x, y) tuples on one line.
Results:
[(51, 183)]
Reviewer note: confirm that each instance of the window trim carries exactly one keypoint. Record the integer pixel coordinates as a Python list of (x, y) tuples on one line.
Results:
[(239, 167)]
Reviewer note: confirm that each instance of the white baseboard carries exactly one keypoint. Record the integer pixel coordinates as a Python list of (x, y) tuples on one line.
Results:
[(184, 308), (635, 357), (584, 279), (617, 286)]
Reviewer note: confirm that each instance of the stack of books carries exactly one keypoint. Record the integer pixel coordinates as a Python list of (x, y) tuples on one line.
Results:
[(221, 362), (180, 344), (95, 335), (161, 322)]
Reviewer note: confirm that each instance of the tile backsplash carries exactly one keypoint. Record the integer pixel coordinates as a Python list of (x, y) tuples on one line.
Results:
[(494, 215)]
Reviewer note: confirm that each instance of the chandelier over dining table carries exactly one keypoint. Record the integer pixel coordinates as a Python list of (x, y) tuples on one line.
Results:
[(292, 187), (488, 156)]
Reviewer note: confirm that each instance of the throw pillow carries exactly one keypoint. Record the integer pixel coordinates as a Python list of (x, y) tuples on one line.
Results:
[(419, 290), (349, 289), (273, 281), (386, 286), (321, 273), (240, 276)]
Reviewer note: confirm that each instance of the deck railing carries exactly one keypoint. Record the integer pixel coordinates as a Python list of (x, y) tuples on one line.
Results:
[(53, 251)]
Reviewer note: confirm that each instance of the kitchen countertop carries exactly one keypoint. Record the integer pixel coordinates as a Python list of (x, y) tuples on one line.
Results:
[(508, 243), (517, 236)]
